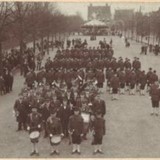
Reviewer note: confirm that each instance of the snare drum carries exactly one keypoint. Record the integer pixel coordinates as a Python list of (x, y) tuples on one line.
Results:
[(55, 139), (34, 136), (86, 117)]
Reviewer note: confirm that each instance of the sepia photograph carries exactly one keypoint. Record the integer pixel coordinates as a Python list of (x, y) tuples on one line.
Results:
[(79, 79)]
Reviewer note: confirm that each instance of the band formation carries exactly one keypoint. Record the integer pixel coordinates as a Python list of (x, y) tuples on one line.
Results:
[(62, 98)]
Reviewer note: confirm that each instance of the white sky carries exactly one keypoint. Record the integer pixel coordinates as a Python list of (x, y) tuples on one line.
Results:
[(72, 8)]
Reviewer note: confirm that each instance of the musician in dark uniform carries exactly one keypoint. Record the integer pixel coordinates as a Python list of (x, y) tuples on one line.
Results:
[(136, 64), (100, 78), (11, 79), (99, 105), (149, 78), (64, 113), (30, 79), (34, 124), (132, 82), (41, 75), (6, 77), (98, 129), (155, 98), (115, 86), (45, 111), (121, 75), (109, 75), (20, 113), (127, 63), (75, 129), (143, 82), (54, 128)]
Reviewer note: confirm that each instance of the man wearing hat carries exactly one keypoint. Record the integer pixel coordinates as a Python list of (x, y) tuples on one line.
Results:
[(114, 64), (154, 77), (115, 83), (45, 111), (149, 78), (109, 75), (122, 80), (128, 72), (100, 78), (143, 82), (120, 63), (34, 124), (136, 64), (155, 98), (132, 82), (98, 130), (64, 113), (99, 105), (30, 78), (54, 128), (39, 61), (127, 63), (75, 129), (21, 113), (41, 75)]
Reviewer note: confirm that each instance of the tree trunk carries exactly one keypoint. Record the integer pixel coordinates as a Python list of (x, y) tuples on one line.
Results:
[(59, 38), (132, 34), (34, 43), (48, 43), (1, 65), (136, 38), (55, 36), (148, 39), (52, 41), (41, 43), (153, 39), (21, 46), (141, 38), (21, 37)]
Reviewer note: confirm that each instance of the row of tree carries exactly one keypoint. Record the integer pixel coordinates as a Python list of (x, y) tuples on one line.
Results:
[(141, 26), (29, 21)]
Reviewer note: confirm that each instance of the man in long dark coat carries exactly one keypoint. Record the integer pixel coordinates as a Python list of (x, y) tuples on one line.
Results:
[(155, 98)]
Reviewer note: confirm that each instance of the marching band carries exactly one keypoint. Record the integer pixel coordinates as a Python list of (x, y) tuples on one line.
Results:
[(63, 99)]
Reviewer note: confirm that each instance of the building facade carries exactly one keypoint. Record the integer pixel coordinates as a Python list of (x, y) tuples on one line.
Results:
[(123, 14), (102, 13)]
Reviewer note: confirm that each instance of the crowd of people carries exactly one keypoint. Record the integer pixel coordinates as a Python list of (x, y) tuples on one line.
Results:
[(64, 97), (14, 60), (10, 60), (155, 49)]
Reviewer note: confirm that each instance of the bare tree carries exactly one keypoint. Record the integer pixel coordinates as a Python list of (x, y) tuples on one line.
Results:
[(5, 21), (19, 13)]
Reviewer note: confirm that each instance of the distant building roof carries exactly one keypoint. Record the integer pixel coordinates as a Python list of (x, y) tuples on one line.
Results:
[(95, 23)]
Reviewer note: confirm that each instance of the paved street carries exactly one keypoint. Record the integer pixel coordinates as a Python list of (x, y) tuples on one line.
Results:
[(130, 130)]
